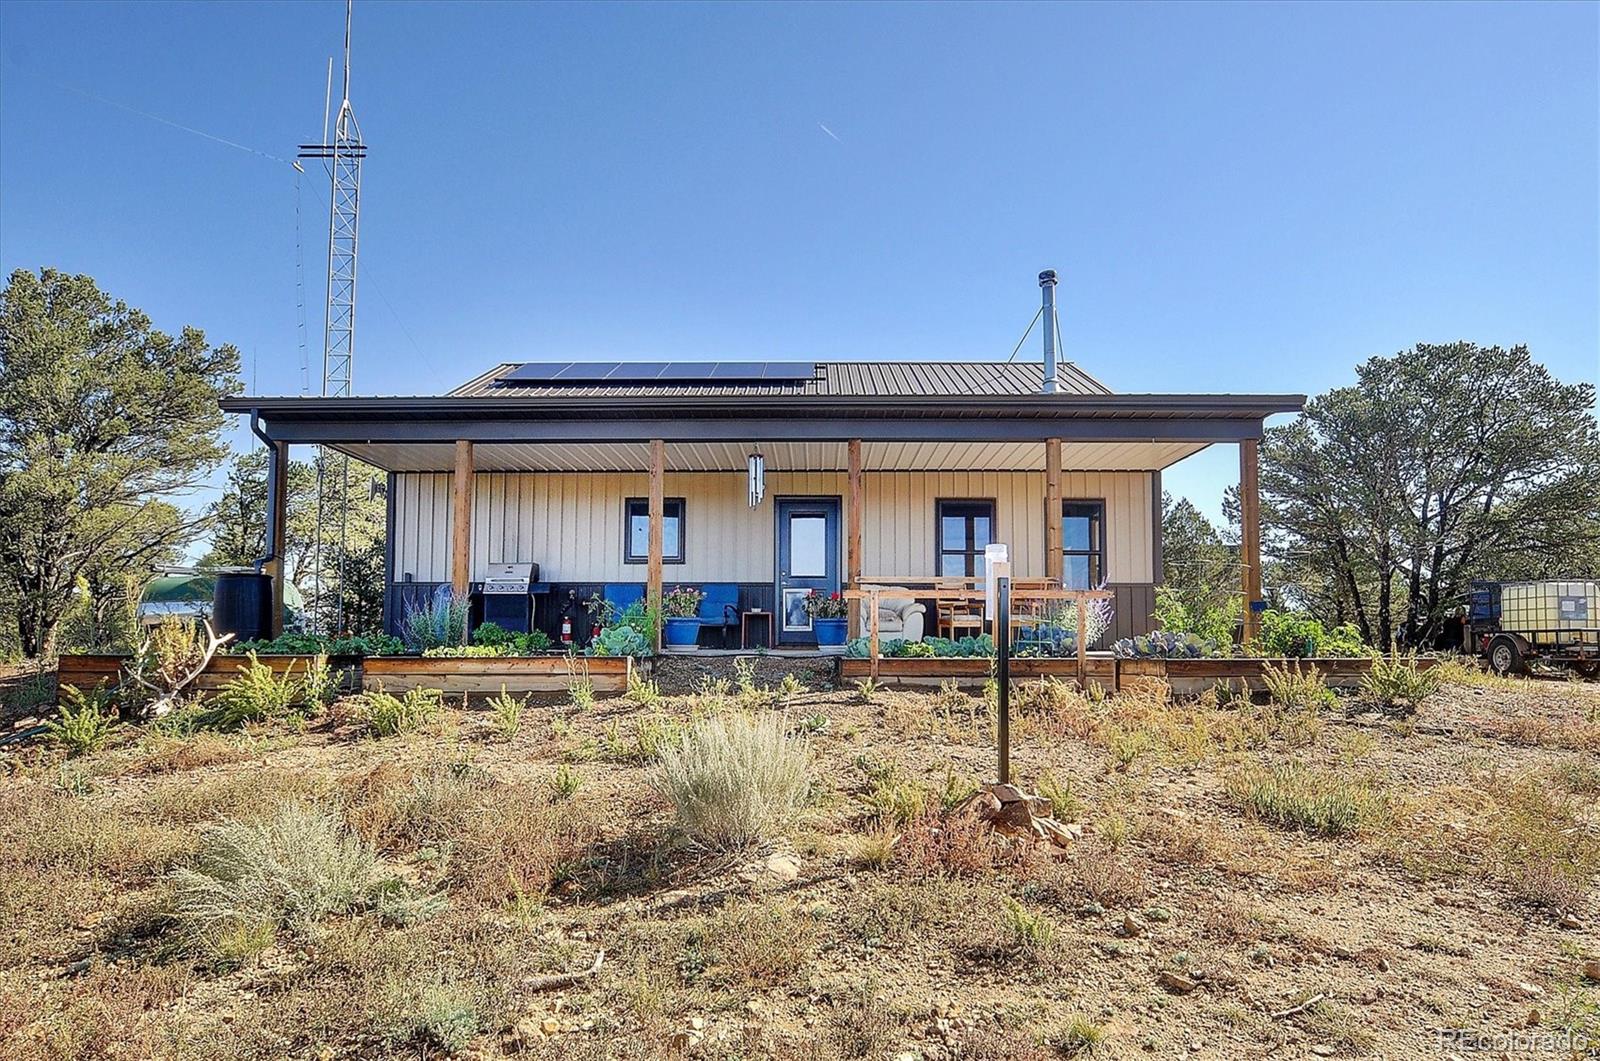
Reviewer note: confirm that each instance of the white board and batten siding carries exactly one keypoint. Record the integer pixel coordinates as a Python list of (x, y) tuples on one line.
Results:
[(572, 522)]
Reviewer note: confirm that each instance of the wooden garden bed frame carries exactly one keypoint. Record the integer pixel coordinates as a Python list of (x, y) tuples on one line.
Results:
[(1186, 676), (517, 674)]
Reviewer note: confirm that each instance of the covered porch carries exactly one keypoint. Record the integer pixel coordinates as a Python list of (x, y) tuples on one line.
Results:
[(853, 490)]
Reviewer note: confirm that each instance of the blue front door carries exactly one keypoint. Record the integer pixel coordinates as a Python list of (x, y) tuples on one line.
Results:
[(808, 559)]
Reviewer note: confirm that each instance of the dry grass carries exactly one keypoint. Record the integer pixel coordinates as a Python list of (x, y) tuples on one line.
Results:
[(907, 926), (160, 753), (1315, 801)]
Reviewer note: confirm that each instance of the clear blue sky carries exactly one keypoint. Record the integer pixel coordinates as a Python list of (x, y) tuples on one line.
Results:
[(1240, 197)]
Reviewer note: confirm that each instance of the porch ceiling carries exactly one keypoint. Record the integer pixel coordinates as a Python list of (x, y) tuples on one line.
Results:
[(780, 456)]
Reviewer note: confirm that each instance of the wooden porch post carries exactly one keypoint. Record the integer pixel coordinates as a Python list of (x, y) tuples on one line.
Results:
[(1053, 561), (852, 555), (461, 519), (1250, 533), (658, 471), (280, 505)]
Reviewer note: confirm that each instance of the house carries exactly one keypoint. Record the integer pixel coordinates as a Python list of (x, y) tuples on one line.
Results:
[(642, 474)]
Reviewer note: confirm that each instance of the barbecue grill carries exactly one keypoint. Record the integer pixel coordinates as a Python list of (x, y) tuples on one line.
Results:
[(507, 599)]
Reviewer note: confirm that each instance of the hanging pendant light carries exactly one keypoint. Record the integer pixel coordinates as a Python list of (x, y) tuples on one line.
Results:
[(757, 466)]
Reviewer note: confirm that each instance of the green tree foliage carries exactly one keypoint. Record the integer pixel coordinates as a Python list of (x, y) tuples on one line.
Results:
[(1200, 563), (1442, 464), (238, 527), (101, 418)]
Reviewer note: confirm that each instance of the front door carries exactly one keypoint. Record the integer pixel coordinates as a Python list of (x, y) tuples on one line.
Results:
[(808, 559)]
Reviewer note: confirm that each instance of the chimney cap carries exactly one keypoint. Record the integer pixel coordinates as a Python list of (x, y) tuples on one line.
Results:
[(1047, 278)]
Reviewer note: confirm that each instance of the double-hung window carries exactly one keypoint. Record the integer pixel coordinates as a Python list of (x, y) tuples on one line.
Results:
[(964, 528)]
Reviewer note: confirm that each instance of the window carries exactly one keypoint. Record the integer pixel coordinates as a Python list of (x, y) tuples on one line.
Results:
[(1083, 544), (964, 528), (636, 539)]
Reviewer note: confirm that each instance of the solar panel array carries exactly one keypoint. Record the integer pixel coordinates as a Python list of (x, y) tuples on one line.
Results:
[(635, 373)]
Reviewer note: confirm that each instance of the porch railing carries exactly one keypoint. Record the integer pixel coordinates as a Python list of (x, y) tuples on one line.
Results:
[(1031, 600)]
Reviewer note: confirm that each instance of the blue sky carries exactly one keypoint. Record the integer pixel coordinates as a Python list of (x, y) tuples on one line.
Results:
[(1239, 197)]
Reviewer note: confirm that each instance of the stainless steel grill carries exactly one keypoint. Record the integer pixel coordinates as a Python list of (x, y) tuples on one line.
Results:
[(510, 578)]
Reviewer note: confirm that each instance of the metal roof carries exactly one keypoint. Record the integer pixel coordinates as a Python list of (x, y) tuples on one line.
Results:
[(833, 379)]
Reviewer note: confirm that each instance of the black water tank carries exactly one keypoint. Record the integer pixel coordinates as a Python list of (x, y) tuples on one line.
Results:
[(242, 605)]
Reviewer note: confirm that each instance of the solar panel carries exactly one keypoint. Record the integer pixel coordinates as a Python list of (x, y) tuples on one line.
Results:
[(687, 370), (562, 373), (588, 371), (534, 372), (726, 370), (636, 372), (789, 371)]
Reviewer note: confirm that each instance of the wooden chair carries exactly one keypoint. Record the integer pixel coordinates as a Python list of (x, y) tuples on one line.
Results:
[(959, 618)]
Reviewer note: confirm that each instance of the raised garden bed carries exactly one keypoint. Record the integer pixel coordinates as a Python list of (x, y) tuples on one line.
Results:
[(487, 674), (1186, 676), (518, 674), (86, 672)]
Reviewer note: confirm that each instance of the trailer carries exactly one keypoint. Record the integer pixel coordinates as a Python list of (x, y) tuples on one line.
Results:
[(1519, 625)]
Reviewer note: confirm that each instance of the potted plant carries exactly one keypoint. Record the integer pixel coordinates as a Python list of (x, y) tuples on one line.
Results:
[(828, 618), (681, 608)]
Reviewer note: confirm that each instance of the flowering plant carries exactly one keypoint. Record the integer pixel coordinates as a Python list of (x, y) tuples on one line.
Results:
[(682, 602), (829, 606)]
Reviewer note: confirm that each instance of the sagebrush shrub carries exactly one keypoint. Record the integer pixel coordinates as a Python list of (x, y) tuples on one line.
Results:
[(291, 870), (734, 779)]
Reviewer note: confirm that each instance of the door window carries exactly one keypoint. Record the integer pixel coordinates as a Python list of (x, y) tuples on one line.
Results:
[(808, 547)]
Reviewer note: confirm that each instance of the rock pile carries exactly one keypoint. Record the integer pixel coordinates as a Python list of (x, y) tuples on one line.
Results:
[(1016, 813)]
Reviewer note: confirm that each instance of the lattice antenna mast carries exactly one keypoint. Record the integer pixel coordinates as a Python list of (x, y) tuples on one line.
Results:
[(343, 157)]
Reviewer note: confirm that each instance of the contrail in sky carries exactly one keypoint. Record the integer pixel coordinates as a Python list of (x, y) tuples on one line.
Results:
[(830, 132)]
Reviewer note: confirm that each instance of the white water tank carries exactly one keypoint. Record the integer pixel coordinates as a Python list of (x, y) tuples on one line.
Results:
[(1544, 611)]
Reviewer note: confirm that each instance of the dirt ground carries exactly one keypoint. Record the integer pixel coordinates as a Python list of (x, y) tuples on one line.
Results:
[(1253, 880)]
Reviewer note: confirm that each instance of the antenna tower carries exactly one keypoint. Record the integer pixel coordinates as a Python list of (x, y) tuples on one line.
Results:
[(342, 156)]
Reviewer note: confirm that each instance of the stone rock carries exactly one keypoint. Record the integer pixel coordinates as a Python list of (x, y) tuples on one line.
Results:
[(1591, 970), (697, 1023), (525, 1032), (1528, 990), (1132, 926), (1176, 982), (550, 1026), (784, 867), (1569, 921)]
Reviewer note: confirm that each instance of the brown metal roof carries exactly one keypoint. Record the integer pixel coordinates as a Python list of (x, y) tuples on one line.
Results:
[(834, 379)]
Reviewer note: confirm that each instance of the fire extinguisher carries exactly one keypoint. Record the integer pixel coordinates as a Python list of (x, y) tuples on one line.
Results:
[(566, 630), (594, 631)]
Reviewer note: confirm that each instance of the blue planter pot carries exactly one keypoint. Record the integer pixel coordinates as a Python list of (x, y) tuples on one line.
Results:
[(682, 633), (830, 632)]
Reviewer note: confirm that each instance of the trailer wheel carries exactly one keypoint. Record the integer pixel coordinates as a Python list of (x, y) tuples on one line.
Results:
[(1505, 655), (1588, 668)]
